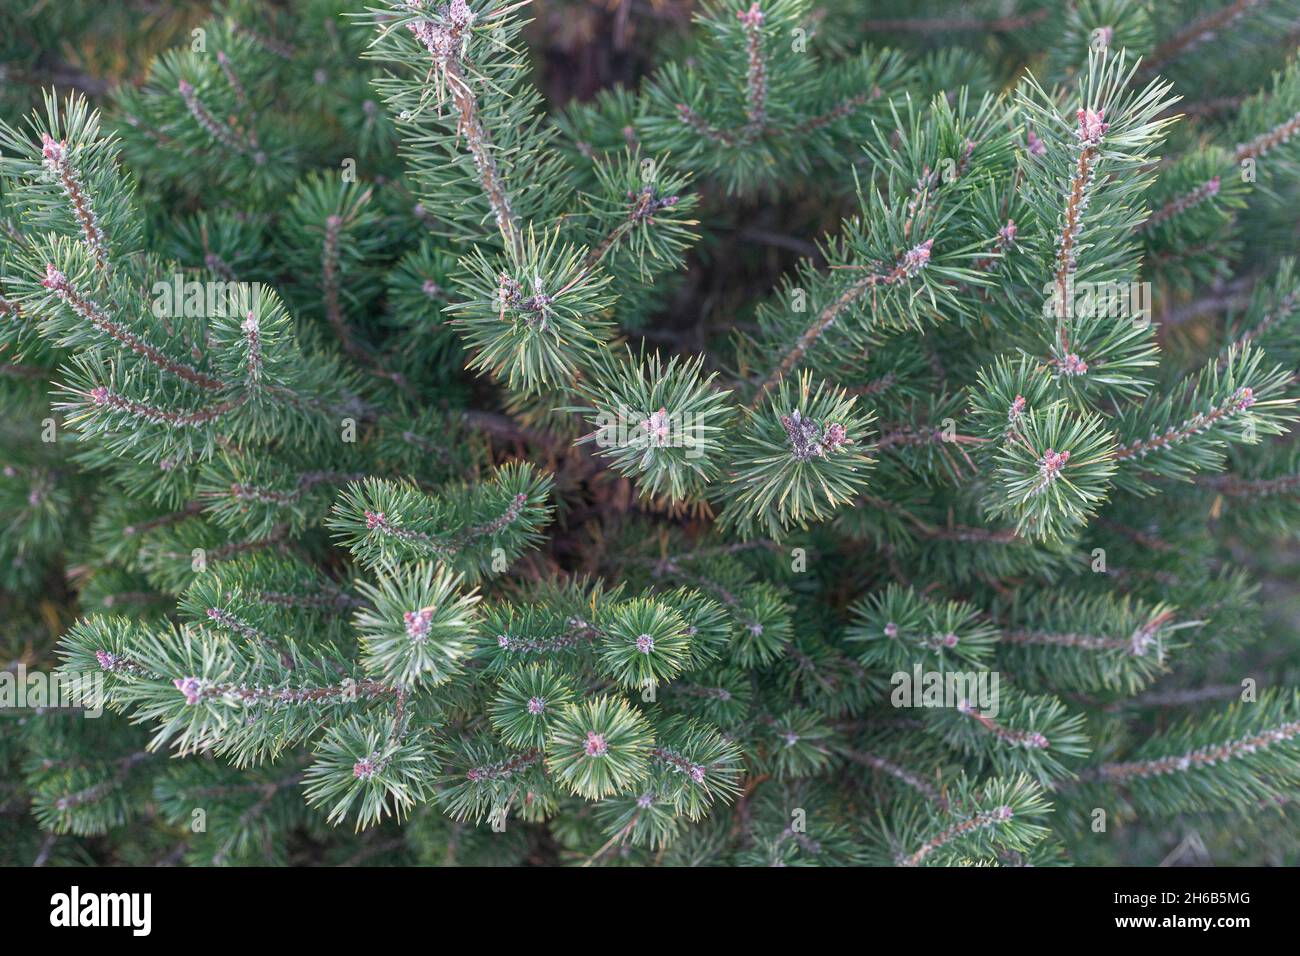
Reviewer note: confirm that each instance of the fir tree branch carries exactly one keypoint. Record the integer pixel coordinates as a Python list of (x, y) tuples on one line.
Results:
[(1210, 755), (99, 320), (1180, 204), (908, 777), (58, 161), (908, 266), (1239, 401), (982, 820), (444, 43), (1136, 644), (1265, 143), (1197, 32), (1011, 23), (756, 76), (243, 145), (103, 397)]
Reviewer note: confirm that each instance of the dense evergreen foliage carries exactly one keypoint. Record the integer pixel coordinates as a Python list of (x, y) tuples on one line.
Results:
[(759, 432)]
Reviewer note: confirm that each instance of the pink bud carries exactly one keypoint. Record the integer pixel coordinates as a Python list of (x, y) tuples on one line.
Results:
[(835, 437), (753, 17), (1092, 126), (1051, 463), (1072, 365), (1017, 408), (56, 151), (191, 687), (418, 624), (53, 277), (917, 257)]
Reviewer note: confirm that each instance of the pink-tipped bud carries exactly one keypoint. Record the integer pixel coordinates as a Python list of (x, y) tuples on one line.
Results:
[(835, 437), (645, 644), (418, 624), (536, 705), (1051, 464), (460, 13), (191, 687), (55, 151), (365, 768), (1092, 126), (54, 279), (917, 257), (753, 17), (1072, 365), (596, 746), (657, 427)]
